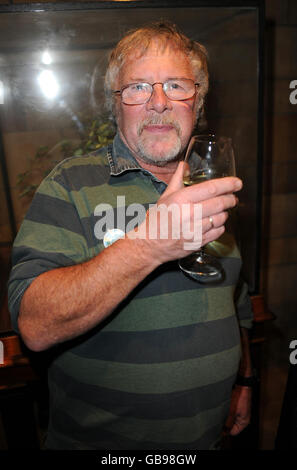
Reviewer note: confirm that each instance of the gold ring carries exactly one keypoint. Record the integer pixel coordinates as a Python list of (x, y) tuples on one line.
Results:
[(211, 222)]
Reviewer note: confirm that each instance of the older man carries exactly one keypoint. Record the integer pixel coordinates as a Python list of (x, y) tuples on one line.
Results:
[(147, 358)]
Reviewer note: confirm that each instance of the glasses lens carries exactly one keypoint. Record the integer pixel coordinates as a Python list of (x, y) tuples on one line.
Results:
[(136, 93), (179, 89)]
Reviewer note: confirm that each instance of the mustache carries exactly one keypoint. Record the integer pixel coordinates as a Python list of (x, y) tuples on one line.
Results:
[(161, 121)]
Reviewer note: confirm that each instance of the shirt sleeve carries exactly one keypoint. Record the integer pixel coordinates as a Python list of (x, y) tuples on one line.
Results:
[(51, 236)]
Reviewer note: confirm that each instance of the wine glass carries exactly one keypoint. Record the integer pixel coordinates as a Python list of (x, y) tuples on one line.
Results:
[(207, 157)]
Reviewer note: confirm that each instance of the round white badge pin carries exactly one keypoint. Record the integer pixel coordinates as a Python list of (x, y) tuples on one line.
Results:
[(112, 236)]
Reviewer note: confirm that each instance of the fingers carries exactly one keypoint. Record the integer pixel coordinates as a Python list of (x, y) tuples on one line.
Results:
[(212, 235), (213, 227), (212, 188), (218, 205), (215, 221), (176, 181), (239, 425), (206, 202)]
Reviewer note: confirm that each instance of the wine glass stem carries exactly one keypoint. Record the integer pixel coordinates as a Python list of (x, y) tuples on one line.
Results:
[(202, 250)]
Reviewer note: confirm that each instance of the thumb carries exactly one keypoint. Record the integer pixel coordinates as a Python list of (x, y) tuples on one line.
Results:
[(176, 181)]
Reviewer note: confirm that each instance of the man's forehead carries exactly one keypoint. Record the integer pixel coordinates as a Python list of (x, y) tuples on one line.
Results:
[(174, 58), (156, 48)]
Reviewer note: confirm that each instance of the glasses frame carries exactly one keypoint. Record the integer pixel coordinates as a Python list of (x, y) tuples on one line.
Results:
[(120, 92)]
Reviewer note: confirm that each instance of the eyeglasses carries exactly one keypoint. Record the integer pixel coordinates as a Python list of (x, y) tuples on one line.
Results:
[(177, 89)]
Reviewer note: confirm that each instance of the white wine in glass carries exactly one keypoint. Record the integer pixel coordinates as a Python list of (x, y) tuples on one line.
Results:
[(207, 157)]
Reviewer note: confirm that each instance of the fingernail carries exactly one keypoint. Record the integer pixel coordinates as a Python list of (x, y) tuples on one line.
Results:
[(238, 184)]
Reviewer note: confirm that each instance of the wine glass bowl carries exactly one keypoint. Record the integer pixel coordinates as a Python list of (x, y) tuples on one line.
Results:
[(207, 157)]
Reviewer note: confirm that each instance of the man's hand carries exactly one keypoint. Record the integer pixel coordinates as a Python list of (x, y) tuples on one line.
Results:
[(215, 197), (240, 410)]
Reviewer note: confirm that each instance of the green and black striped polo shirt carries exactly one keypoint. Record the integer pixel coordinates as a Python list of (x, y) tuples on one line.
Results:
[(158, 373)]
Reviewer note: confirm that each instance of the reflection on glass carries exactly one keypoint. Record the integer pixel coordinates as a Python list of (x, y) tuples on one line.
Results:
[(1, 92), (46, 58), (48, 84)]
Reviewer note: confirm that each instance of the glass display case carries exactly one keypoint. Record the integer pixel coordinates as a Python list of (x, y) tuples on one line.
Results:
[(52, 64)]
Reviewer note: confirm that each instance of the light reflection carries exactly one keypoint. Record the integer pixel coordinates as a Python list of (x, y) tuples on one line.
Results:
[(48, 84), (1, 92), (51, 89), (46, 58)]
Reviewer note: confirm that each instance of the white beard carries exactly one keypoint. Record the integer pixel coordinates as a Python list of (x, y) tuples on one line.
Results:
[(146, 149), (149, 156)]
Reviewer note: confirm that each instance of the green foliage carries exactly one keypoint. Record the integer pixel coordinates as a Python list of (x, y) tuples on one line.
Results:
[(98, 134)]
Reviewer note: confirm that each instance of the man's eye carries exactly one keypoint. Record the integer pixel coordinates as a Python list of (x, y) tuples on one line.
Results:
[(174, 86), (138, 87)]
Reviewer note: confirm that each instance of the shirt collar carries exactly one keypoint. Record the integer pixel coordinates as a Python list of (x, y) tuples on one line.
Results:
[(120, 158)]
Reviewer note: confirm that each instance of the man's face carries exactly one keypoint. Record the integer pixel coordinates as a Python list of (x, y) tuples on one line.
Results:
[(159, 130)]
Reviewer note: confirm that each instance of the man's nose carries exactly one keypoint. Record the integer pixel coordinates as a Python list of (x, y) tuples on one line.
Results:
[(159, 101)]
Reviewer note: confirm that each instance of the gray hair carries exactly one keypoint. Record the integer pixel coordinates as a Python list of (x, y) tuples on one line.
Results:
[(138, 40)]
